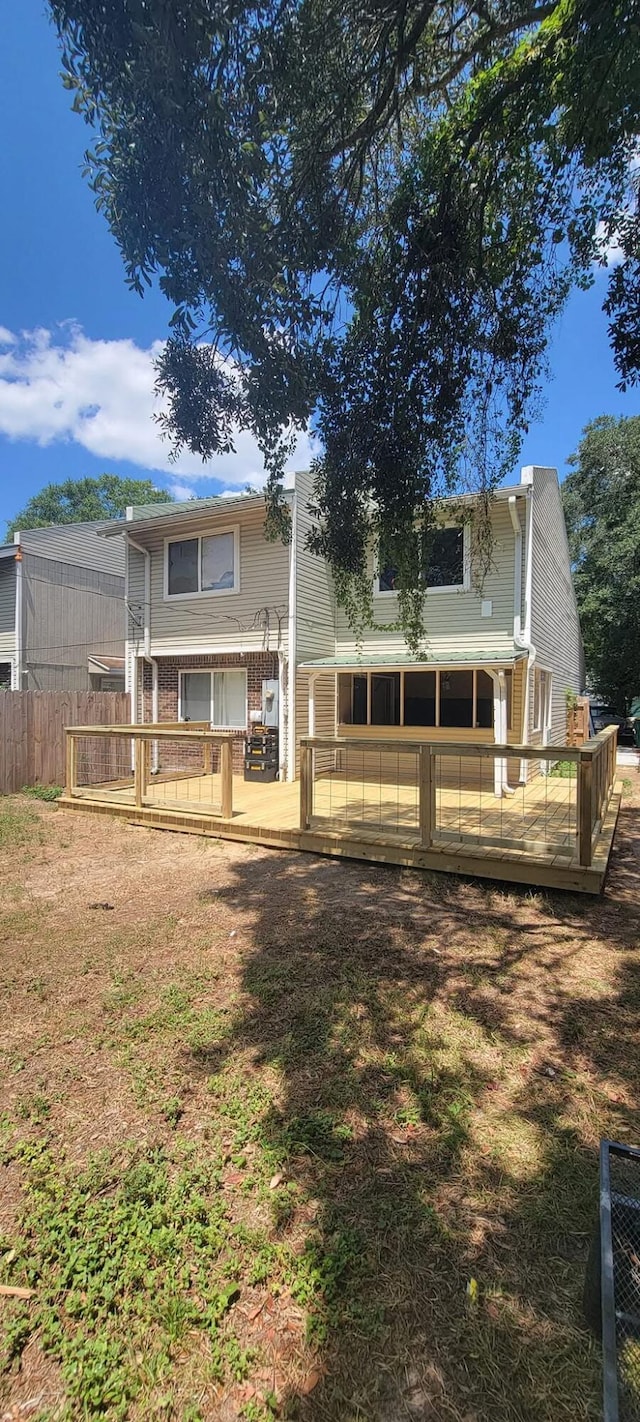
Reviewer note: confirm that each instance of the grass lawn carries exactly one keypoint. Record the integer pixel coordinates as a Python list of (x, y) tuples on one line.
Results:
[(286, 1137)]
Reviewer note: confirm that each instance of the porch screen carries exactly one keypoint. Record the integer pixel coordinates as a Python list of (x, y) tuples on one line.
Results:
[(420, 698), (456, 698), (385, 698)]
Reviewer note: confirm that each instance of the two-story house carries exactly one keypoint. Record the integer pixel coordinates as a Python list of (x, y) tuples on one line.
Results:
[(62, 626), (227, 627)]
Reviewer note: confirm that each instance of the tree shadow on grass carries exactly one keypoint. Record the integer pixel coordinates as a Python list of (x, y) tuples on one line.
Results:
[(448, 1056)]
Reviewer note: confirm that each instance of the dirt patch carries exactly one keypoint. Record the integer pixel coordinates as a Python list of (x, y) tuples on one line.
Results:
[(424, 1067)]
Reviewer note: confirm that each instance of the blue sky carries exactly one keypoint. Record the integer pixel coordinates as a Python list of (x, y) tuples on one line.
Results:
[(76, 346)]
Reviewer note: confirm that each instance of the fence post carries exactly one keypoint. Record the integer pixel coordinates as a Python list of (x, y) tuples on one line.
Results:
[(139, 769), (226, 780), (71, 775), (306, 786), (585, 787), (426, 796)]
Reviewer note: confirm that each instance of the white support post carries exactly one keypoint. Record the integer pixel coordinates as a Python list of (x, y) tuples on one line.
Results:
[(500, 785)]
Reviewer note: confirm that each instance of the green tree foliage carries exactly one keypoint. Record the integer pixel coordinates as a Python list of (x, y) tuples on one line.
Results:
[(366, 216), (602, 510), (84, 500)]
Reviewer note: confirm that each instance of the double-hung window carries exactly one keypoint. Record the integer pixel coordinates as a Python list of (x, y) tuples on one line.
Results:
[(445, 567), (202, 565), (219, 697)]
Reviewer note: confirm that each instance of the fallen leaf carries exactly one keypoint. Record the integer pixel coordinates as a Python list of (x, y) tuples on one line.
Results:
[(312, 1379), (276, 1180), (9, 1258)]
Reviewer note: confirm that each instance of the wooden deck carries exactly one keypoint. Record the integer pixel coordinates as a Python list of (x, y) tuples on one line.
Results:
[(527, 837)]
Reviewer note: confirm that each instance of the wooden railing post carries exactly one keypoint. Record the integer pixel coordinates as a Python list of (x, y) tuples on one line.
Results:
[(426, 795), (226, 780), (306, 786), (139, 769), (584, 808), (71, 763)]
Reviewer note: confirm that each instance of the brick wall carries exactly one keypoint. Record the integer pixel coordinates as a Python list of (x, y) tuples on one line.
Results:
[(259, 666)]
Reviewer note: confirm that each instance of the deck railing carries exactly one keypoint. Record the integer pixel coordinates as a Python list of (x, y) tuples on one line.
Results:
[(439, 794), (183, 767)]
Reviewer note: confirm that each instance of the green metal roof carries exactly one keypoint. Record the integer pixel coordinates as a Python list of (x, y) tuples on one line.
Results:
[(474, 657)]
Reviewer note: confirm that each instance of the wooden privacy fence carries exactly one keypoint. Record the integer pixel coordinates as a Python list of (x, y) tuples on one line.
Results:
[(32, 731), (426, 793)]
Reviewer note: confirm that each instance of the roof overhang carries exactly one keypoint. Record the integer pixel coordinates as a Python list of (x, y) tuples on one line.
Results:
[(480, 658), (9, 550), (106, 666), (189, 516)]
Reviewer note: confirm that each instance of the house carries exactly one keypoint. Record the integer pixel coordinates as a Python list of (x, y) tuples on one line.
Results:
[(62, 625), (226, 627)]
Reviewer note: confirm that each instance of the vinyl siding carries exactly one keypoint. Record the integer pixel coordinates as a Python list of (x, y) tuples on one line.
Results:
[(555, 628), (78, 543), (7, 608), (324, 696), (453, 620), (69, 611), (315, 601), (254, 619), (135, 612)]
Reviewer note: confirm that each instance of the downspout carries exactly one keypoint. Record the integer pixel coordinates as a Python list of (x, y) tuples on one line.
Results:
[(18, 634), (146, 652), (292, 647), (282, 723), (522, 624)]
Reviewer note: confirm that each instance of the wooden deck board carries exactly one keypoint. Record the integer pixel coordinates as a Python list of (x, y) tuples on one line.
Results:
[(368, 822)]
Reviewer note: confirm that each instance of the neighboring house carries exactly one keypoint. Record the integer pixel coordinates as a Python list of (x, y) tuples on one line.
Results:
[(226, 627), (62, 626)]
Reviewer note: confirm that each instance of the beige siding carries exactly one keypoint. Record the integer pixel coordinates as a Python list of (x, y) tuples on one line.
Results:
[(77, 543), (135, 598), (324, 696), (453, 620), (254, 619), (555, 629), (315, 602), (7, 607)]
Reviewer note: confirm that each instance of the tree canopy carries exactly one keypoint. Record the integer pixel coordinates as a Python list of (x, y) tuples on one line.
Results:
[(367, 216), (602, 510), (85, 500)]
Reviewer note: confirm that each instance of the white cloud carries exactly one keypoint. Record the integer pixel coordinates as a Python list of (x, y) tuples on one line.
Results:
[(63, 387), (610, 252)]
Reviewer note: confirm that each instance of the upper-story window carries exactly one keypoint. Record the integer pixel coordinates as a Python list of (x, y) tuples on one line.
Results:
[(446, 566), (207, 564)]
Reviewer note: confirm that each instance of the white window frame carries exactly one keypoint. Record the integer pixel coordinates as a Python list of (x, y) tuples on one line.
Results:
[(209, 671), (233, 528), (464, 586)]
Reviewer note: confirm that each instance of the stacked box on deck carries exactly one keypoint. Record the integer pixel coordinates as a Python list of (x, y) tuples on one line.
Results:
[(261, 755)]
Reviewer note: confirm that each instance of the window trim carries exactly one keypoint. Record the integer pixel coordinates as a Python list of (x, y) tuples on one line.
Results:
[(233, 528), (464, 586), (209, 671)]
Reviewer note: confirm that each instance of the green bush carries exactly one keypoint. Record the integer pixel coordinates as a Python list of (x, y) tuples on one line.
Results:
[(43, 792)]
